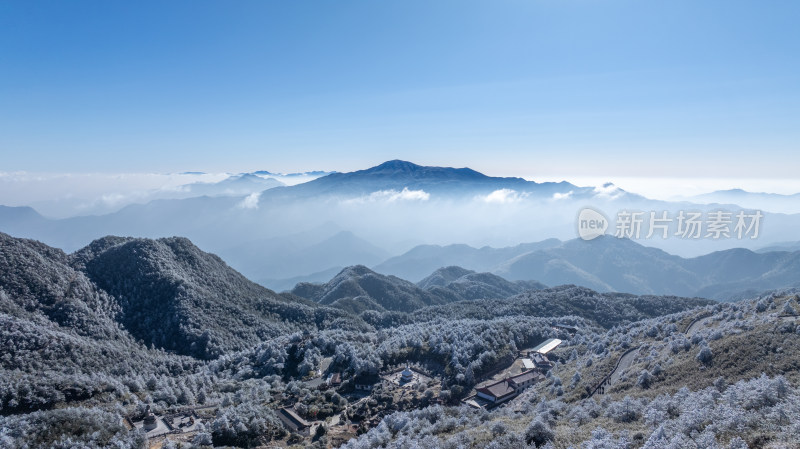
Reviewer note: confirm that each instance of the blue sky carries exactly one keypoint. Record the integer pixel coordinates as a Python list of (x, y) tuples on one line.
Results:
[(536, 88)]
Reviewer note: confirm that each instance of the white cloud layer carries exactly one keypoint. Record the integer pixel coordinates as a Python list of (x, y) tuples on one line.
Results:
[(607, 191), (250, 201), (60, 195), (504, 196), (391, 196), (563, 196)]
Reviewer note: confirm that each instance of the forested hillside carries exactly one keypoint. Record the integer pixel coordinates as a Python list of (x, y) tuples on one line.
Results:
[(174, 296), (60, 336), (600, 309), (467, 284), (358, 289), (124, 324), (721, 376)]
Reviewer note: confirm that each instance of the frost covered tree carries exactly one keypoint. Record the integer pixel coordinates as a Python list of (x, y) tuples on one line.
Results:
[(645, 379), (576, 378), (538, 432), (705, 355)]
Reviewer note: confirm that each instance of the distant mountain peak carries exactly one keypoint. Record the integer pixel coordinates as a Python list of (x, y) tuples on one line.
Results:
[(443, 276), (396, 165), (431, 181), (399, 167), (250, 176), (357, 288), (19, 212), (289, 175), (354, 270)]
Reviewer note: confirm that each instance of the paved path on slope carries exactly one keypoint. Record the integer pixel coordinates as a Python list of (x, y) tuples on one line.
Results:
[(697, 325), (624, 363)]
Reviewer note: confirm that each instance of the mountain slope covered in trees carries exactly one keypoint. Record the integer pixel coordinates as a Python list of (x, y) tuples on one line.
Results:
[(74, 361), (601, 309), (166, 293), (60, 336), (358, 288), (422, 260), (722, 376), (173, 295), (467, 284)]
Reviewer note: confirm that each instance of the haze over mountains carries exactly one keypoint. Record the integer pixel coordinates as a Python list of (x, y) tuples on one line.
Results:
[(235, 185), (423, 259), (317, 250), (612, 264), (163, 320), (398, 175), (378, 217), (788, 204), (76, 194)]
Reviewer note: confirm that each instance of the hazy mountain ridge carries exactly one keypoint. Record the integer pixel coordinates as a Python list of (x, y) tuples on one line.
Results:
[(398, 175), (780, 246), (234, 185), (612, 264), (357, 289), (467, 284), (422, 260), (773, 202), (62, 196), (383, 208), (321, 250)]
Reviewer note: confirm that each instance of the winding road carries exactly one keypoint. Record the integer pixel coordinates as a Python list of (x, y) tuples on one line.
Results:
[(624, 363), (695, 326), (627, 359)]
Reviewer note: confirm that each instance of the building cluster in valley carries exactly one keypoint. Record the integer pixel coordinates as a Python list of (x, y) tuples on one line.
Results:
[(534, 368), (365, 382), (178, 423), (509, 387), (293, 422), (402, 381)]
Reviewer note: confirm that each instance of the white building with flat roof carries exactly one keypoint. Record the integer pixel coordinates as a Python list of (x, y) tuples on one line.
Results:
[(547, 346), (528, 364)]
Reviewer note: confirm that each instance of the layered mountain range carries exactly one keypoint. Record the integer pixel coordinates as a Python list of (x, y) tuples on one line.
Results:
[(400, 218), (613, 264), (128, 322)]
